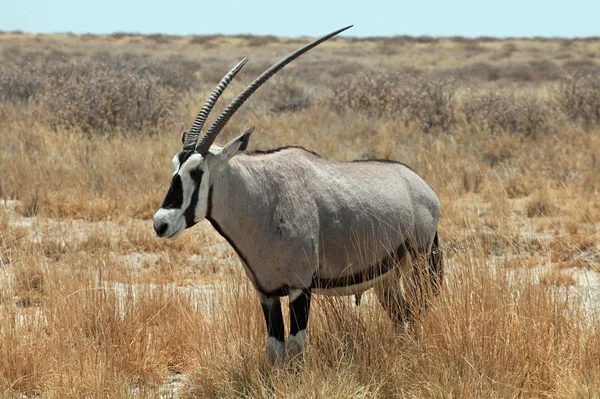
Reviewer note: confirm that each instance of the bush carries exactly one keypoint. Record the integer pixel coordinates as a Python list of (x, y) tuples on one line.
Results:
[(284, 95), (177, 74), (532, 71), (19, 83), (103, 93), (110, 95), (578, 97), (412, 97), (507, 110)]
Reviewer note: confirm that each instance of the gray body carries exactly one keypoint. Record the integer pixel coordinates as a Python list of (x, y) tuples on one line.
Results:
[(297, 219)]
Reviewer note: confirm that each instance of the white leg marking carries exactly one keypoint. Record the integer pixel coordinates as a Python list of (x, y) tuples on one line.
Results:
[(293, 294), (295, 343), (274, 350)]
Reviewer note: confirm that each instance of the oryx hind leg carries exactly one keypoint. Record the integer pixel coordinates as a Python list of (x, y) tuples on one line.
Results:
[(394, 291), (271, 306), (299, 311)]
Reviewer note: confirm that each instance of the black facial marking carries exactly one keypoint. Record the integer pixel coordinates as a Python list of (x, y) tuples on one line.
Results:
[(184, 155), (174, 197), (196, 175)]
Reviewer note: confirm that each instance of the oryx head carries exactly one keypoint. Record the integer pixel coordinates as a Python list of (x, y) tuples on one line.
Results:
[(186, 201)]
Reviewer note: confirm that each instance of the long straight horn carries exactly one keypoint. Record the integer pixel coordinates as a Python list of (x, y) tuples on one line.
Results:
[(218, 125), (192, 137)]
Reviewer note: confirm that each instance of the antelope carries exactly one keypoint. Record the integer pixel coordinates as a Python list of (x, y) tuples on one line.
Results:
[(302, 224)]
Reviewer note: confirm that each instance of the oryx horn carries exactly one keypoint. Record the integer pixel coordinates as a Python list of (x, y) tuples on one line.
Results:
[(192, 137), (220, 122)]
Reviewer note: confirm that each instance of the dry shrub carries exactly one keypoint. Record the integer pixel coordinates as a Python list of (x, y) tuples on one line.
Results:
[(205, 40), (159, 38), (478, 71), (104, 93), (578, 97), (19, 85), (507, 50), (258, 41), (531, 71), (110, 97), (508, 110), (282, 95), (582, 66), (321, 73), (412, 97), (123, 35)]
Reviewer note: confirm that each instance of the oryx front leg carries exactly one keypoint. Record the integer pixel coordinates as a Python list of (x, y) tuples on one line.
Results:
[(299, 310), (271, 306)]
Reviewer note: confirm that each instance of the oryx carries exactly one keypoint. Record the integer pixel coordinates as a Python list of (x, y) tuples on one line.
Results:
[(301, 223)]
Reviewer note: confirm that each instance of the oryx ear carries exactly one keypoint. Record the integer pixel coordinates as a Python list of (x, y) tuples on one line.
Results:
[(239, 144), (183, 137)]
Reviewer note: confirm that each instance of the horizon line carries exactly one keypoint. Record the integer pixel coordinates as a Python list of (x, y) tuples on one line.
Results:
[(348, 37)]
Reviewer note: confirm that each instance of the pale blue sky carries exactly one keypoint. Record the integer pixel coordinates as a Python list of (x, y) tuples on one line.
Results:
[(306, 17)]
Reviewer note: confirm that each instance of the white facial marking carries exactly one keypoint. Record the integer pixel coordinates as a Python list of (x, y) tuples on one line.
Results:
[(175, 164), (193, 163), (274, 350)]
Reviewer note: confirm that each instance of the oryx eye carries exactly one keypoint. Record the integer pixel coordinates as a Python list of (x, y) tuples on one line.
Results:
[(196, 174)]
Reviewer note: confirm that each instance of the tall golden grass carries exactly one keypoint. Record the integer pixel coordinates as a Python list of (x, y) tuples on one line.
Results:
[(93, 305)]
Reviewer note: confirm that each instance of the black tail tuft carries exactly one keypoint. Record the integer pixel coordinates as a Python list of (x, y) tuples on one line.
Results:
[(436, 265)]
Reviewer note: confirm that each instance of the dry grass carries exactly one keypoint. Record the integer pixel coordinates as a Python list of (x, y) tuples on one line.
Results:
[(93, 305)]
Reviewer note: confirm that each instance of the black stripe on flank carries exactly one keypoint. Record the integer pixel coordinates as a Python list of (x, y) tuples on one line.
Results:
[(375, 271), (174, 197)]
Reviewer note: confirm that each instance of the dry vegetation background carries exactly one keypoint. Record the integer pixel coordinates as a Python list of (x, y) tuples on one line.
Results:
[(93, 305)]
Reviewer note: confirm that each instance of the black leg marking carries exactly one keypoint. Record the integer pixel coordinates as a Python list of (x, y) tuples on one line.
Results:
[(299, 310), (273, 317), (275, 329)]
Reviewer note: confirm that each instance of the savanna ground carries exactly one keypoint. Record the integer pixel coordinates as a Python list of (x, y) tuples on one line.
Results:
[(93, 305)]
